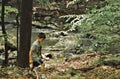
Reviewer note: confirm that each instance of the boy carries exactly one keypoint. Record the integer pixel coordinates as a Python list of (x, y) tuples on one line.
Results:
[(35, 57)]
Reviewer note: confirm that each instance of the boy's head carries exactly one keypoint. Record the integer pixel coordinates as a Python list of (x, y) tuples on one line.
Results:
[(41, 37)]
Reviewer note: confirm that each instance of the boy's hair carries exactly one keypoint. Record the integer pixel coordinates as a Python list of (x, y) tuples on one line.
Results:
[(42, 35)]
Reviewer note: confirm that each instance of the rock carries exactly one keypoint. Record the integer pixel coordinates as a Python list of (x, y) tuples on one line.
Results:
[(63, 33), (47, 56)]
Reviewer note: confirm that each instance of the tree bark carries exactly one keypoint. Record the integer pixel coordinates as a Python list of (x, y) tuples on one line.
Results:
[(25, 33), (18, 23), (4, 33)]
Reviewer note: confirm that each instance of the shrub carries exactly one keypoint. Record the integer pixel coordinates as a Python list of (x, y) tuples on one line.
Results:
[(99, 26)]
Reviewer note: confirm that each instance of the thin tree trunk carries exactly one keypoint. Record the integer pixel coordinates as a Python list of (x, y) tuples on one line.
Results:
[(4, 32), (18, 23)]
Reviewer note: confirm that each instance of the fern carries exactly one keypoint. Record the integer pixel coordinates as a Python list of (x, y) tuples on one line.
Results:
[(72, 2), (76, 20), (102, 24)]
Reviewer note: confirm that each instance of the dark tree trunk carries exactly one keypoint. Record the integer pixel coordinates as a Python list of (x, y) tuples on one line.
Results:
[(4, 32), (25, 33), (18, 23)]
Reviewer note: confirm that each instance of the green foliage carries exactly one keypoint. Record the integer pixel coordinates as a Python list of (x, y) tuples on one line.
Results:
[(73, 21), (99, 61), (42, 3), (100, 27), (72, 71), (112, 61), (9, 9), (1, 40), (72, 2)]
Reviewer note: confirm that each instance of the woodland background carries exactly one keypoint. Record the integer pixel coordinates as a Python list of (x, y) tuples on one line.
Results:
[(83, 35)]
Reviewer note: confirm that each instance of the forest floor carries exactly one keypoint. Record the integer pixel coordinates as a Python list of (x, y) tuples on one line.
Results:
[(81, 66)]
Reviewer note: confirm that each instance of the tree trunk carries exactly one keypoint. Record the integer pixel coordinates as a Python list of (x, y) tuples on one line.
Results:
[(4, 32), (25, 33), (18, 23)]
